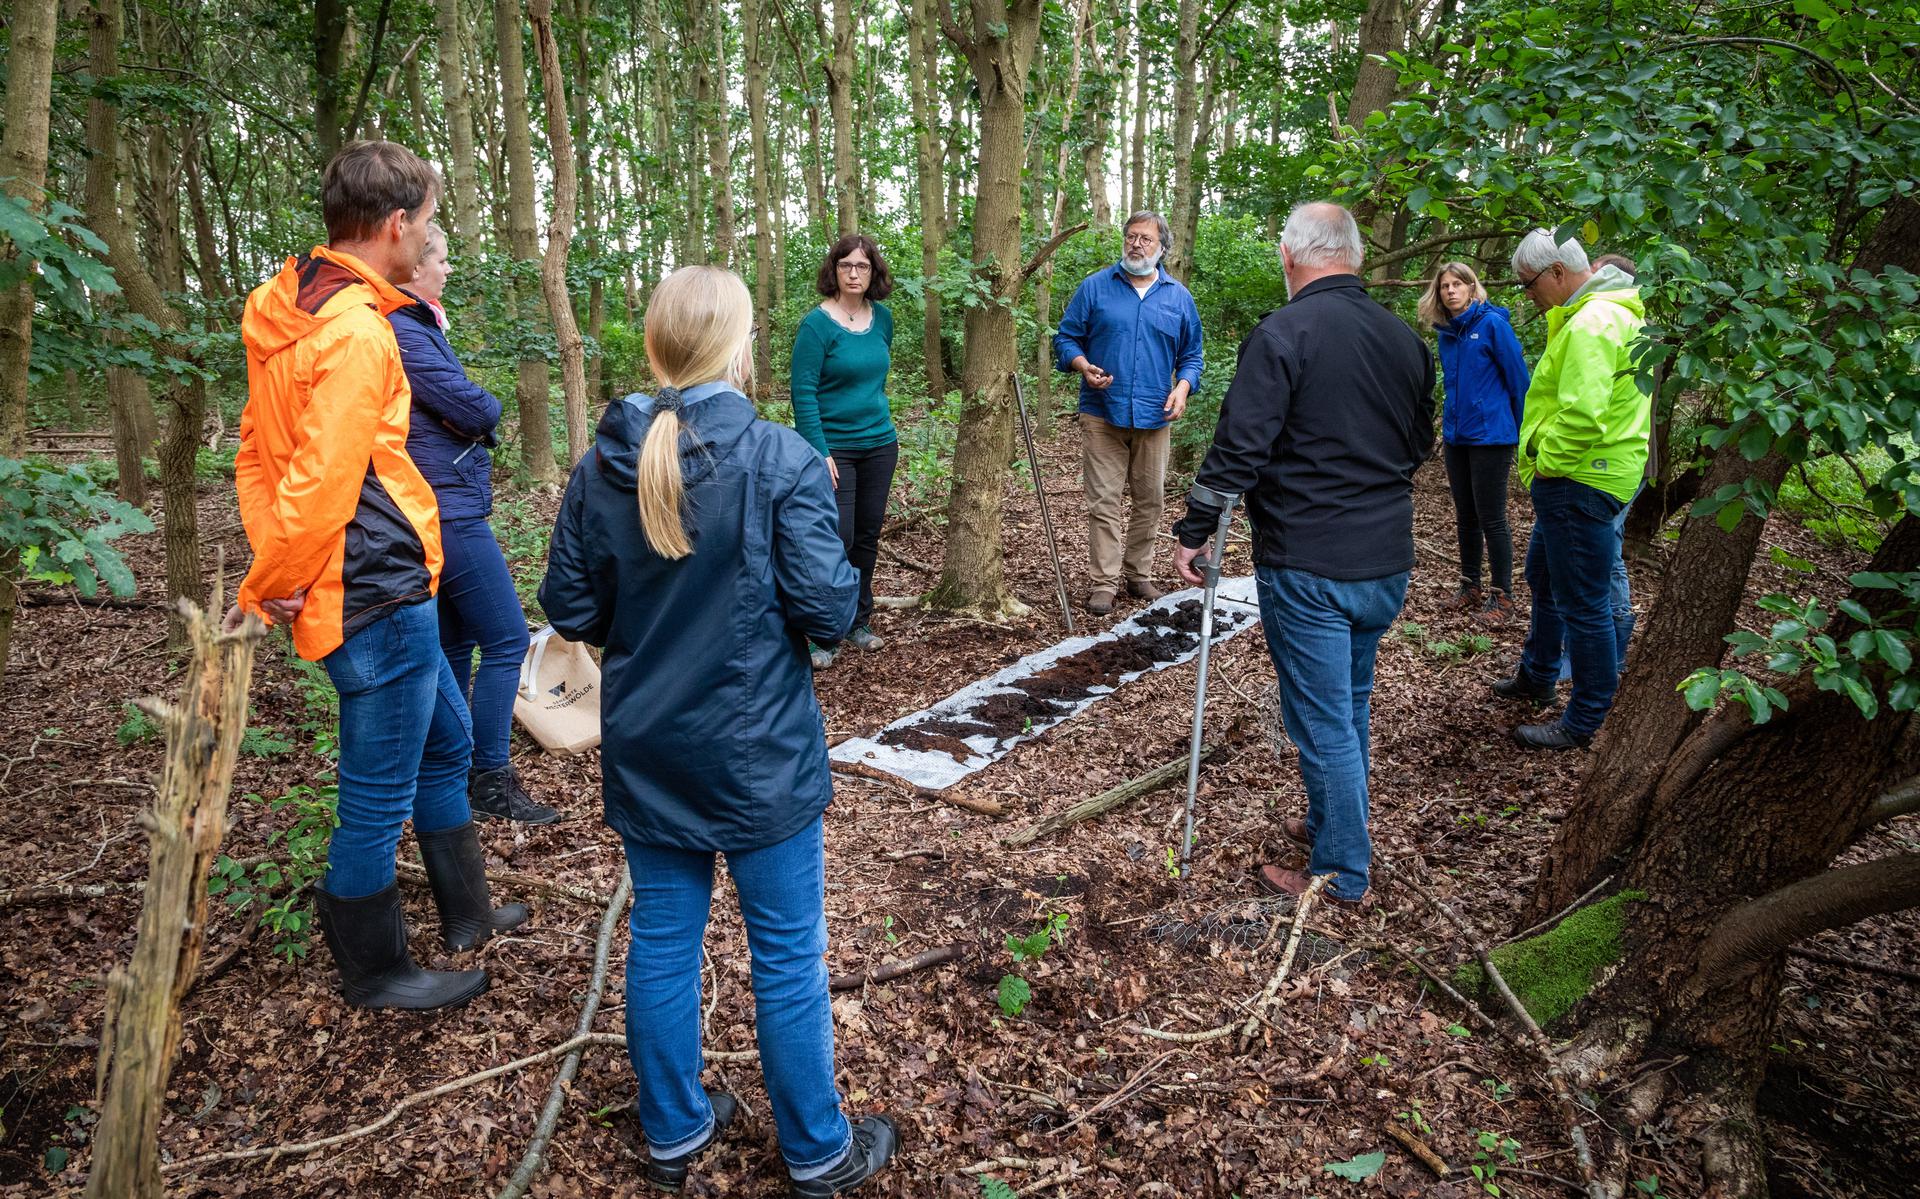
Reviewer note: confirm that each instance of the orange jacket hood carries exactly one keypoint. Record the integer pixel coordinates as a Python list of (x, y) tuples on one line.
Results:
[(301, 299)]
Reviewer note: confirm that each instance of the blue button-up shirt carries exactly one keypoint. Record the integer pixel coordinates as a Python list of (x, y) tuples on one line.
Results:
[(1147, 344)]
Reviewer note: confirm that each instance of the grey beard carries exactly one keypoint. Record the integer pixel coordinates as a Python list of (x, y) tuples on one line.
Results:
[(1139, 267)]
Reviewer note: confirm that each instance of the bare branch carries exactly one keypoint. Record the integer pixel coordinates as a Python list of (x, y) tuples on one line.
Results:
[(1760, 928), (951, 28), (373, 65), (1206, 35), (1043, 253), (1432, 243)]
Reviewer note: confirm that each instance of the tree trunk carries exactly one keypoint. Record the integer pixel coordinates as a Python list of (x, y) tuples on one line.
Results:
[(720, 142), (134, 432), (553, 268), (584, 88), (1650, 719), (330, 21), (206, 250), (1383, 31), (1093, 159), (536, 441), (1000, 52), (1137, 180), (189, 816), (840, 102), (1055, 221), (1186, 87), (753, 22), (456, 101), (186, 395), (23, 163), (923, 77)]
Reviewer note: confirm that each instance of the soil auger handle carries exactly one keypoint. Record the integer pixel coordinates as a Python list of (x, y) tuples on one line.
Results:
[(1210, 575)]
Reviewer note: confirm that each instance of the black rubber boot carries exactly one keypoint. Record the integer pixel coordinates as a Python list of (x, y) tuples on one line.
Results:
[(670, 1173), (368, 937), (1523, 688), (874, 1140), (457, 872), (498, 795)]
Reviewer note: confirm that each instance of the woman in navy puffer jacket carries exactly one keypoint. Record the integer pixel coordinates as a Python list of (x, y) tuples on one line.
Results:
[(1486, 382), (452, 426)]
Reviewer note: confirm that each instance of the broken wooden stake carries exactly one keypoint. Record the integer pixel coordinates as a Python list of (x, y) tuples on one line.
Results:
[(860, 770), (1164, 775), (1418, 1148), (189, 817), (887, 971)]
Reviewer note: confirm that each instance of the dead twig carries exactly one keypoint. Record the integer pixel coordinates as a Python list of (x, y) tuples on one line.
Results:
[(1286, 958), (894, 969), (1418, 1148), (1554, 919), (860, 770), (1847, 963), (1164, 775), (1127, 1088), (516, 881)]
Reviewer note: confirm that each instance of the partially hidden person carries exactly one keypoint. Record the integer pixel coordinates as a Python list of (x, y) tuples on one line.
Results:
[(346, 547), (841, 354), (1485, 375), (1582, 457), (1132, 334), (449, 440), (700, 547), (1329, 414)]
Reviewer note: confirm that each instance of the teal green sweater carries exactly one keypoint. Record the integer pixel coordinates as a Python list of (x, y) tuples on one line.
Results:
[(840, 382)]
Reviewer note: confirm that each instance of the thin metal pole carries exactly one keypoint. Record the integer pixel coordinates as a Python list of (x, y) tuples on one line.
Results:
[(1039, 489), (1210, 572)]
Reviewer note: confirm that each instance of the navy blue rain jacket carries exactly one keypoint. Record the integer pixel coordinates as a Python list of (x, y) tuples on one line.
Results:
[(711, 736), (1486, 377), (453, 417)]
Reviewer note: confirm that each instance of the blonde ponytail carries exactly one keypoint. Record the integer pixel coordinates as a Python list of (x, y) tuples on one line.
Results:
[(697, 325)]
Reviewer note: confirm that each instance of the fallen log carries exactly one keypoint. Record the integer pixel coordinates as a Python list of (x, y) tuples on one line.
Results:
[(887, 971), (1164, 775), (872, 774)]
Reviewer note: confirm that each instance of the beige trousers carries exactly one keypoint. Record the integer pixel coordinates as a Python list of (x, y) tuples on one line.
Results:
[(1118, 463)]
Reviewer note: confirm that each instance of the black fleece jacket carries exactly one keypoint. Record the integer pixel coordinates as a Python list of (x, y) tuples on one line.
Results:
[(1328, 415)]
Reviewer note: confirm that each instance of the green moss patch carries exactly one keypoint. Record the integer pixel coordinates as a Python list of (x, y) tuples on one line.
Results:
[(1555, 970)]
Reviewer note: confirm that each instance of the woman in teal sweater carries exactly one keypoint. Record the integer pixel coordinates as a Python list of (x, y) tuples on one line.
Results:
[(841, 354)]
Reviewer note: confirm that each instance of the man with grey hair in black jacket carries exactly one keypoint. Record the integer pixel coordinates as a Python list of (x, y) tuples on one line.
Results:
[(1328, 415)]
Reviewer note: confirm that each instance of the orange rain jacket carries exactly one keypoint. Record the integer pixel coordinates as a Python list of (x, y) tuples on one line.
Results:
[(329, 498)]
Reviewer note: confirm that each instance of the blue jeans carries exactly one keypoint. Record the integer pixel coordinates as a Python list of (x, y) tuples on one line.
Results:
[(1619, 597), (1322, 635), (1570, 564), (404, 746), (479, 608), (782, 890)]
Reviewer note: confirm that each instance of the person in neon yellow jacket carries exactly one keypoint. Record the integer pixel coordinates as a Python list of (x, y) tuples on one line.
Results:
[(1583, 451)]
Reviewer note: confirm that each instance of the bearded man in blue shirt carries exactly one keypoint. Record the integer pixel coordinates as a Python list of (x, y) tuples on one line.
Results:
[(1132, 334)]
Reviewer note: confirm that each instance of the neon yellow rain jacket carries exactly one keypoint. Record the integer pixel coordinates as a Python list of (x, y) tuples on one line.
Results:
[(1586, 418)]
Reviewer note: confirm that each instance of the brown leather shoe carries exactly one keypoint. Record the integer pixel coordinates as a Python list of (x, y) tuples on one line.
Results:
[(1467, 597), (1281, 881), (1100, 600), (1497, 611), (1295, 830), (1145, 589)]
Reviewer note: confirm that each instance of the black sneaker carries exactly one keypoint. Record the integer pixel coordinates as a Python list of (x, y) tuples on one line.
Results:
[(1549, 736), (874, 1140), (1522, 687), (670, 1173), (498, 795)]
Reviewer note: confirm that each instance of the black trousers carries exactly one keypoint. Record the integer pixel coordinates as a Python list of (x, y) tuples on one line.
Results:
[(1477, 475), (866, 479)]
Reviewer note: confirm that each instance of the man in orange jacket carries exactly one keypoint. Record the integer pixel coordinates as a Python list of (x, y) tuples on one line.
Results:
[(346, 544)]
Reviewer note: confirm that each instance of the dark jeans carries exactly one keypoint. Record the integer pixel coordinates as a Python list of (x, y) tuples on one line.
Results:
[(480, 609), (1570, 565), (1477, 475), (1620, 596), (866, 479), (404, 746), (1323, 635)]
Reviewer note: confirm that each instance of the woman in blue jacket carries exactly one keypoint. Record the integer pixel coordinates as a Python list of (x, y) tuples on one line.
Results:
[(452, 426), (1486, 384), (700, 546)]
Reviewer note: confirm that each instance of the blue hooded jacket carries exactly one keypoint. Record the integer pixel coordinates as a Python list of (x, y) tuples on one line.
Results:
[(1486, 377), (453, 417), (711, 737)]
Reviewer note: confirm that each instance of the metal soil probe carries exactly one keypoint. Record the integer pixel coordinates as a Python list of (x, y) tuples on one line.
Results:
[(1046, 518), (1210, 572)]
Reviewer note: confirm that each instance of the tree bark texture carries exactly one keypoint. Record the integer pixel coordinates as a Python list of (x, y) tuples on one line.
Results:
[(1383, 31), (456, 101), (999, 50), (753, 21), (553, 267), (840, 101), (1137, 178), (536, 441), (923, 77), (1698, 599), (23, 162), (330, 20), (189, 817), (1186, 86)]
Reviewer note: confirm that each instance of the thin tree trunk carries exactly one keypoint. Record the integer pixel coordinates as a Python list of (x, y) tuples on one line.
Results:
[(1137, 182), (584, 88), (720, 141), (206, 250), (456, 101), (1055, 221), (840, 102), (536, 439), (1383, 31), (1186, 87), (23, 161), (330, 22), (553, 268), (1093, 161), (923, 76), (753, 23)]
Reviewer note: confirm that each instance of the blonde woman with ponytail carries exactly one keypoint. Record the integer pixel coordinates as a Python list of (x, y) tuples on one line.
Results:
[(700, 547)]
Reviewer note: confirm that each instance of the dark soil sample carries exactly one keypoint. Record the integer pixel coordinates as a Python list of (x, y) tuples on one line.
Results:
[(1011, 713), (954, 728), (918, 739), (1185, 618)]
